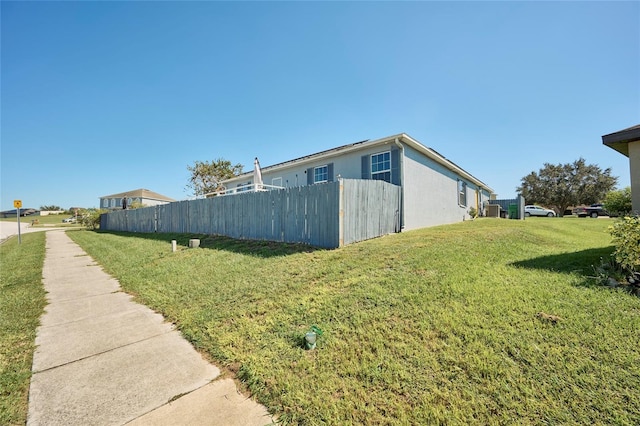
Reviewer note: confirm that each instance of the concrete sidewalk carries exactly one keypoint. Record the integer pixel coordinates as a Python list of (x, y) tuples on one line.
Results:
[(102, 359)]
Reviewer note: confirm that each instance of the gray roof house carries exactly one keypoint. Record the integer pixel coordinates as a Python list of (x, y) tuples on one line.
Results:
[(434, 190), (627, 143), (141, 196), (328, 199)]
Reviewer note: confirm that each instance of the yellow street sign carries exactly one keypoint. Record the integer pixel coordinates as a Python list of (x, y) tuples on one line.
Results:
[(17, 204)]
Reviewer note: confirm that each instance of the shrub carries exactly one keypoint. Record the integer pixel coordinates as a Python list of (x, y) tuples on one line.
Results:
[(618, 202), (626, 238), (91, 218), (136, 205)]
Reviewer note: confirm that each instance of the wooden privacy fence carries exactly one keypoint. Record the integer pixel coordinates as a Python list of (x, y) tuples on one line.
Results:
[(325, 215)]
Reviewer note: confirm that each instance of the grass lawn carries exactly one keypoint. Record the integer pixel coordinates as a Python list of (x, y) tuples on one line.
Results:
[(22, 301), (43, 221), (432, 326)]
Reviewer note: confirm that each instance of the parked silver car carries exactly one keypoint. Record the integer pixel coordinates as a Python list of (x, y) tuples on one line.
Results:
[(532, 210)]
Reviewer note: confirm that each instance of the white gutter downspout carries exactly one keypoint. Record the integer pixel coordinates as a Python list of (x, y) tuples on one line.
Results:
[(401, 165)]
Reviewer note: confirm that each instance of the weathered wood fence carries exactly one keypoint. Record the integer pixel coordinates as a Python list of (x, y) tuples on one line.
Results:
[(326, 215)]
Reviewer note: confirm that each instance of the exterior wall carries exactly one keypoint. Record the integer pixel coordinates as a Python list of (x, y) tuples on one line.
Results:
[(634, 165), (148, 202), (431, 193), (116, 203), (485, 197), (112, 203), (348, 166), (430, 190)]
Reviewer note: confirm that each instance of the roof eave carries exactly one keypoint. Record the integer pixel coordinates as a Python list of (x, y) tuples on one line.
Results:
[(621, 147), (334, 152), (140, 193), (620, 140)]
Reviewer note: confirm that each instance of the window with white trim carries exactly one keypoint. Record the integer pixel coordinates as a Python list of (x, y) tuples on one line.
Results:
[(276, 181), (462, 193), (321, 174), (381, 166)]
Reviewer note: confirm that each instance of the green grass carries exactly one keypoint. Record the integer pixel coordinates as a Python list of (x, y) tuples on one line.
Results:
[(22, 301), (44, 221), (436, 326)]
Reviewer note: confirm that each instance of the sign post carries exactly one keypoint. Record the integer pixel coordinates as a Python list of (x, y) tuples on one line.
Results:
[(18, 204)]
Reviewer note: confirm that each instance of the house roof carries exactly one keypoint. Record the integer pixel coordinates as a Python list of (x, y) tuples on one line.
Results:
[(140, 193), (402, 137), (23, 211), (620, 140)]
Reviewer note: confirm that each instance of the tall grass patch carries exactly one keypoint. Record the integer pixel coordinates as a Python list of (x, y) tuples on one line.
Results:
[(440, 325)]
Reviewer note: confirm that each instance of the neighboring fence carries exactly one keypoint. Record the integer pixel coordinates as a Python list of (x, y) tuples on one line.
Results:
[(506, 203), (325, 215)]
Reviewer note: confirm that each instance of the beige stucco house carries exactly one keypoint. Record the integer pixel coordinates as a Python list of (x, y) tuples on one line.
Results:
[(139, 196), (627, 142)]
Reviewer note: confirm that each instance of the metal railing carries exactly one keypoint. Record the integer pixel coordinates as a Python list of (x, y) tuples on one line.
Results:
[(251, 187)]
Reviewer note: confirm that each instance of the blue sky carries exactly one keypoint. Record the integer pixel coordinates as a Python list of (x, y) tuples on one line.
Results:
[(105, 97)]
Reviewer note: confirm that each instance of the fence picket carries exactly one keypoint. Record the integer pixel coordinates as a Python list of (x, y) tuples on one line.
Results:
[(307, 214)]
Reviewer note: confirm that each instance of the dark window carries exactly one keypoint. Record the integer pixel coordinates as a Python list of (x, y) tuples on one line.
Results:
[(462, 193), (381, 166), (321, 174)]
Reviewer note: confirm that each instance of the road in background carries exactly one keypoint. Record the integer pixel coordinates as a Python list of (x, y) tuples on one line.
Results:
[(9, 229)]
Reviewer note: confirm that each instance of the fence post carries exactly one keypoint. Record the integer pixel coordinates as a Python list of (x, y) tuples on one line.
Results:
[(340, 213)]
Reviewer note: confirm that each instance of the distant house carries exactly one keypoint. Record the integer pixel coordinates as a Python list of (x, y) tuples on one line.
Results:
[(627, 143), (139, 196), (434, 190), (14, 212)]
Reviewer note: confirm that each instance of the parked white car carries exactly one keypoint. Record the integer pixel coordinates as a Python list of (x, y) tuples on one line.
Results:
[(70, 220), (532, 210)]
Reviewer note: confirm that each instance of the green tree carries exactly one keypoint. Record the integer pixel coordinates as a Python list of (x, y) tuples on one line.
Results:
[(52, 208), (619, 202), (562, 185), (206, 176)]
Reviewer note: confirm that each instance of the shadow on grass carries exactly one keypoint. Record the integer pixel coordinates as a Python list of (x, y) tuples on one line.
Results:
[(257, 248), (581, 262)]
